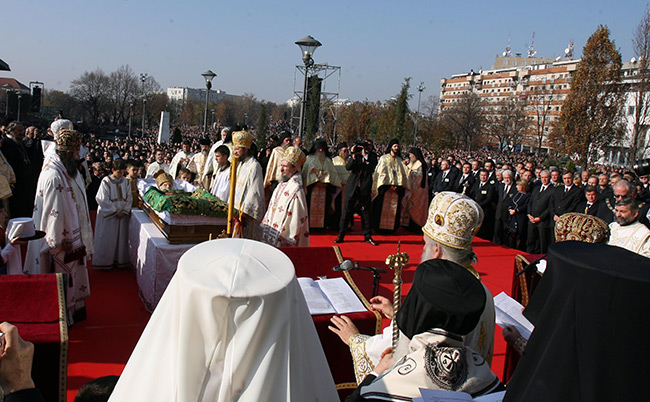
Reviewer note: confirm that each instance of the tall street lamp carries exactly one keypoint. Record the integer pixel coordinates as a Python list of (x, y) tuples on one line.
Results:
[(420, 88), (308, 46), (143, 78), (208, 75), (130, 115)]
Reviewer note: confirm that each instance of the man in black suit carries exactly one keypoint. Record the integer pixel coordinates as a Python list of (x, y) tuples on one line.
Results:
[(624, 189), (505, 191), (539, 215), (445, 179), (492, 174), (591, 205), (21, 203), (361, 163), (565, 198), (465, 179), (485, 195)]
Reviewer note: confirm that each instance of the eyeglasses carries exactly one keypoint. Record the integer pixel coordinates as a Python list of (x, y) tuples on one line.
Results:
[(618, 196)]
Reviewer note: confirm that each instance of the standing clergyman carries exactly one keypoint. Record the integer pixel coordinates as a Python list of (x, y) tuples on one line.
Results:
[(61, 211), (286, 222)]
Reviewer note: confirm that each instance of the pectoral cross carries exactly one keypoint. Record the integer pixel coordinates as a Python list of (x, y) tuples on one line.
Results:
[(396, 262)]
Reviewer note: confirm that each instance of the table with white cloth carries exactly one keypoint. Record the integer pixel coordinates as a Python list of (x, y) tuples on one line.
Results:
[(152, 257)]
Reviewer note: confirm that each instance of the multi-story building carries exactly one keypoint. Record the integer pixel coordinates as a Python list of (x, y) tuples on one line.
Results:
[(542, 85), (183, 94)]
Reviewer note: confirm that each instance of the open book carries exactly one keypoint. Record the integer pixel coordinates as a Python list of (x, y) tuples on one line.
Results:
[(509, 312), (330, 296)]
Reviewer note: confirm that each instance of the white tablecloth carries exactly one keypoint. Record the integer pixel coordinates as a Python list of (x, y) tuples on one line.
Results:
[(153, 258)]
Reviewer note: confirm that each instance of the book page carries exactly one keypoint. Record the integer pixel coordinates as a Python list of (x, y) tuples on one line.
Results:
[(315, 298), (509, 312), (434, 395), (341, 295), (495, 397)]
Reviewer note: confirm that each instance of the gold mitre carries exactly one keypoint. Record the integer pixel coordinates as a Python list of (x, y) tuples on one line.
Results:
[(68, 140), (581, 227), (242, 139), (163, 177), (454, 219), (294, 156)]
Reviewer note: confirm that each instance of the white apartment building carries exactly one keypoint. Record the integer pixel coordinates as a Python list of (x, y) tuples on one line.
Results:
[(182, 94)]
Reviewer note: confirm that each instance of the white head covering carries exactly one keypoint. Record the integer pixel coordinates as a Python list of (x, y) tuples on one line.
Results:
[(60, 124), (232, 325)]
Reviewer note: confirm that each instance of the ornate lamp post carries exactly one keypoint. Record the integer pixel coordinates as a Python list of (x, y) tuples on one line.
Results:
[(130, 115), (420, 88), (208, 75), (308, 46)]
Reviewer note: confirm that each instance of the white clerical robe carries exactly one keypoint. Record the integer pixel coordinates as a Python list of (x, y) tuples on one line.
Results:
[(221, 184), (196, 166), (61, 211), (367, 350), (180, 160), (154, 167), (286, 222), (112, 233), (249, 193), (634, 237)]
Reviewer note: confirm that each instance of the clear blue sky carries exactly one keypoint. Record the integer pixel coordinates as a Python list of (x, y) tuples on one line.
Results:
[(250, 44)]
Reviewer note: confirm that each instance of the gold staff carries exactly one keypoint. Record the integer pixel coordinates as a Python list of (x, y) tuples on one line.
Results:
[(396, 262), (231, 197)]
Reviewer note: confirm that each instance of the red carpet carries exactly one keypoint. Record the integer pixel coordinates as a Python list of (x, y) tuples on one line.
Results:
[(101, 345)]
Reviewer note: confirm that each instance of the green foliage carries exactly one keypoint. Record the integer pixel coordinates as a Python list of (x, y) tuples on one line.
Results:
[(401, 110), (591, 113), (262, 127)]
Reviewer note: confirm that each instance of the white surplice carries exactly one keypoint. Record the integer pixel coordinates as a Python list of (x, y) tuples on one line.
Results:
[(180, 160), (155, 167), (221, 184), (286, 222), (112, 233)]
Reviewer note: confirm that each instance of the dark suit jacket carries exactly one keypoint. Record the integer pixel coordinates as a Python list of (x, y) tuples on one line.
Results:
[(540, 205), (503, 200), (485, 196), (562, 203), (446, 183), (21, 203), (459, 184), (360, 174)]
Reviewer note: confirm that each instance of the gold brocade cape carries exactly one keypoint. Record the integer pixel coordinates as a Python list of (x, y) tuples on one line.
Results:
[(390, 171), (273, 167), (319, 169), (339, 164)]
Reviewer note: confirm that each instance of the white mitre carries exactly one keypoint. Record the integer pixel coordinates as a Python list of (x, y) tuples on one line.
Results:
[(232, 325)]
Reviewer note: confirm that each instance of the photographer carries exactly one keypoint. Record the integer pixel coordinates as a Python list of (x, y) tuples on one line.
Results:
[(361, 164)]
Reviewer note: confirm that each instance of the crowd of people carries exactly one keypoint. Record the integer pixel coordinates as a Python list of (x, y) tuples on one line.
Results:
[(56, 177)]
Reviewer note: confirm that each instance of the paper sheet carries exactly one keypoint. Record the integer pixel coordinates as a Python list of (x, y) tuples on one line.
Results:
[(509, 312), (316, 300), (341, 295)]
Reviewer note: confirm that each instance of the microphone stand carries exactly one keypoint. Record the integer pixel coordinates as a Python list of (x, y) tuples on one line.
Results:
[(376, 277)]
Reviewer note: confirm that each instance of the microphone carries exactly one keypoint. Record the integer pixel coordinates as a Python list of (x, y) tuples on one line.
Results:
[(531, 267), (344, 266)]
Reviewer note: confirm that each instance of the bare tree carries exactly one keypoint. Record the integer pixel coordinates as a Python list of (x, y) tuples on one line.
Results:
[(123, 87), (506, 121), (539, 104), (91, 90), (639, 90), (465, 120)]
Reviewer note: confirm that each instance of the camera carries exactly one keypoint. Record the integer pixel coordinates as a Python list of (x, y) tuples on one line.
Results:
[(642, 167)]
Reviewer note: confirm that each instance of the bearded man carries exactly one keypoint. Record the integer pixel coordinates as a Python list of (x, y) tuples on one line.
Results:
[(273, 168), (391, 183), (286, 223), (181, 159), (627, 231), (61, 211)]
